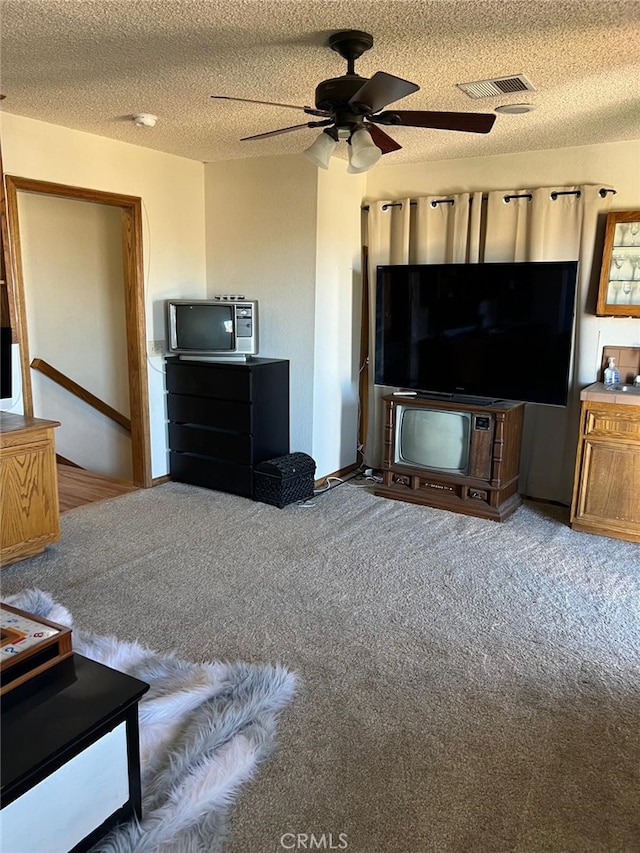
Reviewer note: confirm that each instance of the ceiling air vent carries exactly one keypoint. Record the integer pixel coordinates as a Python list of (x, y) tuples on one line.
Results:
[(497, 86)]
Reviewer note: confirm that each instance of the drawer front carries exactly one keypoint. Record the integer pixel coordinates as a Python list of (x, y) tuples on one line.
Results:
[(623, 422), (233, 447), (211, 473), (205, 411), (225, 381)]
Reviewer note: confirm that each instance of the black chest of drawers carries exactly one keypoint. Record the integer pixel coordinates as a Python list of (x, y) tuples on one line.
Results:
[(225, 418)]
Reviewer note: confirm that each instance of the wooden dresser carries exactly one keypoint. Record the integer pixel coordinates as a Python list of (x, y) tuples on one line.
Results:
[(28, 486), (606, 488)]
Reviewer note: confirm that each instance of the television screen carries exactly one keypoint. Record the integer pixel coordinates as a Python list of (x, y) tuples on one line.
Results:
[(495, 330), (428, 438), (204, 327)]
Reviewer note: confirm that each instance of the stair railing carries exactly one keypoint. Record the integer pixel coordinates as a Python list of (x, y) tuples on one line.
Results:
[(80, 392)]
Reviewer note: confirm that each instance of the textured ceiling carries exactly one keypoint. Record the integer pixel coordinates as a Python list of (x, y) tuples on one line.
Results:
[(92, 64)]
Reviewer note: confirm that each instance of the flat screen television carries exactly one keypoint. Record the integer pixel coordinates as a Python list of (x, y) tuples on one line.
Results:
[(494, 330), (212, 328)]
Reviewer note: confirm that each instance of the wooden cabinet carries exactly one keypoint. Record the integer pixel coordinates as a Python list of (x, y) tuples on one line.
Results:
[(28, 486), (606, 490), (225, 418)]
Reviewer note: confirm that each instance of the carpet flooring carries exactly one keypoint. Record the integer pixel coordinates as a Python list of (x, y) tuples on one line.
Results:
[(205, 728), (465, 686)]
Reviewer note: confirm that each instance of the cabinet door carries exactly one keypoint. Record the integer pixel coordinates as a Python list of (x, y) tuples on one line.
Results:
[(609, 491), (29, 496)]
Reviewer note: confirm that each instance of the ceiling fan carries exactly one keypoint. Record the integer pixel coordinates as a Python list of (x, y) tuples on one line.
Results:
[(352, 108)]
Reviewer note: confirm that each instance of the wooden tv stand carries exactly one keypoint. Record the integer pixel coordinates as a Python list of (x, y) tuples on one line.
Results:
[(490, 490)]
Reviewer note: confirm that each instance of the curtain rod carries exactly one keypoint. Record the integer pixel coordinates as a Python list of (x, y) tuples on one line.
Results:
[(507, 198)]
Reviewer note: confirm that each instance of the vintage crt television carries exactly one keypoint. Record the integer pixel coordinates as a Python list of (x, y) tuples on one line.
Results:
[(212, 328), (461, 455)]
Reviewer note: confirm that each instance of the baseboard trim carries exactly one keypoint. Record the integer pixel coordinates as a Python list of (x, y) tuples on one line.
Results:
[(545, 501), (341, 473), (158, 481)]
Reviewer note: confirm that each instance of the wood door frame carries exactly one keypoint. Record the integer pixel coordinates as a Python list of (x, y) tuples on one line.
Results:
[(131, 209)]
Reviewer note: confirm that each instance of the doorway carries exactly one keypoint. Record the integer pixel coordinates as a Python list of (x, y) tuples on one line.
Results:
[(129, 210)]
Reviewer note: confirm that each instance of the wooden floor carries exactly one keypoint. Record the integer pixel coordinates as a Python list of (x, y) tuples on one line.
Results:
[(77, 487)]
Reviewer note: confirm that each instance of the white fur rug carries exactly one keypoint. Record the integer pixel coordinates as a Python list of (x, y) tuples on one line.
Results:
[(204, 728)]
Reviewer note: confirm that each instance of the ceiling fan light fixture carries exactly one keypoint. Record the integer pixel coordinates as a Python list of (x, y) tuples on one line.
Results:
[(352, 171), (363, 152), (320, 151)]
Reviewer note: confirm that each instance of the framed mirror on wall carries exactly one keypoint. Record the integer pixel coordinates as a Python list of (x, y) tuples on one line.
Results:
[(619, 289)]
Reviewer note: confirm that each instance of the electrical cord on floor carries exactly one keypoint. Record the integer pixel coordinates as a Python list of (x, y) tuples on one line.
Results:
[(328, 487), (338, 482), (368, 476)]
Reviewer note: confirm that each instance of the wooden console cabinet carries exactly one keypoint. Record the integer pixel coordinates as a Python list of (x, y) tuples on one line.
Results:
[(225, 418), (606, 489), (28, 486), (489, 489)]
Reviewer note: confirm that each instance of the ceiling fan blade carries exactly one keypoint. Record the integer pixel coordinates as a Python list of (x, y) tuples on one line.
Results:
[(380, 90), (288, 129), (468, 122), (309, 110), (383, 141)]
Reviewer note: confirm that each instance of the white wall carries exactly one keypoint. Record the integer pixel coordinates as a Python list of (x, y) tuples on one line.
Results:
[(616, 165), (338, 302), (75, 310), (261, 242), (288, 234), (172, 191)]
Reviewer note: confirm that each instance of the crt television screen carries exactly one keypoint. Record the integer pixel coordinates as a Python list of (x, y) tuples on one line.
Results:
[(204, 328), (433, 439)]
